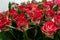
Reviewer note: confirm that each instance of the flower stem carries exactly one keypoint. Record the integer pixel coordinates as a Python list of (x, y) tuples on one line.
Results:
[(25, 35), (12, 34)]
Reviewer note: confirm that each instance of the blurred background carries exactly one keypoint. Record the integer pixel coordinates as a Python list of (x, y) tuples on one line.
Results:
[(4, 3)]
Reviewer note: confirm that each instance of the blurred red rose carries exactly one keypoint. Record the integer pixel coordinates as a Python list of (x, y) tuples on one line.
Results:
[(57, 1), (36, 17), (22, 22), (50, 13), (32, 5), (13, 13), (56, 20), (37, 10), (58, 12), (49, 28), (22, 8), (48, 4), (3, 22), (28, 12)]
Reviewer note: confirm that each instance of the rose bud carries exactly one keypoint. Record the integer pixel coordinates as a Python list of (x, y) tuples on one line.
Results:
[(49, 28), (56, 20), (22, 23)]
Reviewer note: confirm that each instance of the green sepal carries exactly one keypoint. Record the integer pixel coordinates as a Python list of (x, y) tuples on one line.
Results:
[(19, 11), (40, 5), (55, 7)]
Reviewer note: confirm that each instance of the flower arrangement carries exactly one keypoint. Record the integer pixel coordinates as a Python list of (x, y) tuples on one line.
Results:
[(31, 21)]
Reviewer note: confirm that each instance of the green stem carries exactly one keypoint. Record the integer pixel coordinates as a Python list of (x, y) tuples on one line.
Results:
[(1, 35), (25, 36), (12, 34)]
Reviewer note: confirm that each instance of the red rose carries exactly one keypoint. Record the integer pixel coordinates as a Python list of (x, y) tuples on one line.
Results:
[(3, 22), (49, 28), (32, 5), (22, 8), (20, 17), (50, 13), (48, 4), (58, 12), (29, 12), (56, 20), (13, 13), (37, 10), (36, 18), (22, 22)]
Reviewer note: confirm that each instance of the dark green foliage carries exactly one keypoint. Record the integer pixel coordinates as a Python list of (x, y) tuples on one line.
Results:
[(9, 5), (55, 7), (40, 5), (44, 0)]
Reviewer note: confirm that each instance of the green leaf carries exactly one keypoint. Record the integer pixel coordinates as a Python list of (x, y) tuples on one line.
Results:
[(40, 5), (55, 7), (44, 0), (9, 6), (19, 11), (8, 36), (11, 27), (35, 32)]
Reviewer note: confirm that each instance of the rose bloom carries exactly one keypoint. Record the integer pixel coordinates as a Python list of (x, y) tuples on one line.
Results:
[(50, 13), (31, 5), (49, 28), (48, 4), (22, 23), (58, 12), (57, 1), (21, 8), (29, 12), (36, 18), (13, 13), (56, 20), (3, 22), (37, 10)]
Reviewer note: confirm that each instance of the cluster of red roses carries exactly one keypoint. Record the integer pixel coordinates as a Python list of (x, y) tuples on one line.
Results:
[(31, 14)]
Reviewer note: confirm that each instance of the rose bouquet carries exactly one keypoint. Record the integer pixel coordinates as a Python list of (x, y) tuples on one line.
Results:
[(31, 21)]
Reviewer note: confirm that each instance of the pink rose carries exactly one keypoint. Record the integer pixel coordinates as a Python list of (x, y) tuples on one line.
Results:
[(49, 28), (57, 1), (56, 20)]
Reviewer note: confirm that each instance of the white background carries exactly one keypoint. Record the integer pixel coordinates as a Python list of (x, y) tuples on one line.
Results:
[(4, 3)]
